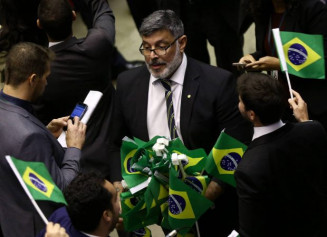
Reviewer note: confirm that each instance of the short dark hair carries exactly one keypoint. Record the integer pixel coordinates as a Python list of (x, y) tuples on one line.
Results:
[(263, 94), (56, 18), (162, 20), (25, 59), (87, 199)]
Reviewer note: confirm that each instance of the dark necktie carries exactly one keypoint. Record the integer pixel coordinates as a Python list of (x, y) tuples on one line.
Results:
[(170, 108)]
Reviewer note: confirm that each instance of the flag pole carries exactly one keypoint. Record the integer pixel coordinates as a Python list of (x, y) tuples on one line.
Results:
[(21, 181), (281, 55), (289, 83)]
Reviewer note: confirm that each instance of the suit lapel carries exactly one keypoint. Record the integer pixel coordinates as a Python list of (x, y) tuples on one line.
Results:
[(142, 101), (190, 88)]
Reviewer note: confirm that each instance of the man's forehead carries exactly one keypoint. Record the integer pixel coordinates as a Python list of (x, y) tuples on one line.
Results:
[(158, 36)]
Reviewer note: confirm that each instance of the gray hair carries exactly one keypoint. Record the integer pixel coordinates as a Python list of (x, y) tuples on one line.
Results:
[(162, 20)]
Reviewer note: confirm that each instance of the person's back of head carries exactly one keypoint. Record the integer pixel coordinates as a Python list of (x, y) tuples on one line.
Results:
[(162, 20), (56, 18), (262, 94), (25, 59), (87, 199)]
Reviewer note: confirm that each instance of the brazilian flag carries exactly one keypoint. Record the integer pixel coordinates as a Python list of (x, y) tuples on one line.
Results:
[(185, 205), (143, 232), (37, 179), (198, 183), (304, 54), (135, 211), (224, 158), (132, 176)]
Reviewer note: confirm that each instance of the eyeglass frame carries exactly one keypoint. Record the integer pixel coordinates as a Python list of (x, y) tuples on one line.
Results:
[(154, 50)]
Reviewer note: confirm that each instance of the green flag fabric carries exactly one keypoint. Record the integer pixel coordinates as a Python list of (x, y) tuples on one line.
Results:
[(304, 54), (38, 181), (131, 175), (185, 204), (224, 158)]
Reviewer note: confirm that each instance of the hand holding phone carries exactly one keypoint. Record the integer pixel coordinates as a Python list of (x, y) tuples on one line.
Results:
[(78, 111)]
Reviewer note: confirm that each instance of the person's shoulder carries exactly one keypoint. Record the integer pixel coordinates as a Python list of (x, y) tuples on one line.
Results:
[(310, 125), (207, 68), (133, 75), (208, 74)]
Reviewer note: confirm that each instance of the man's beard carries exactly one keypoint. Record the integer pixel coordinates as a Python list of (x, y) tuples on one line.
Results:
[(171, 67)]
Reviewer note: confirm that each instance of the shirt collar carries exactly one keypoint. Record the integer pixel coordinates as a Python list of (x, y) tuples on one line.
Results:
[(260, 131), (16, 101), (54, 43), (178, 76)]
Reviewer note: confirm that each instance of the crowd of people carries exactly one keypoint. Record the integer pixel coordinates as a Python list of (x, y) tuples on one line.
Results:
[(282, 179)]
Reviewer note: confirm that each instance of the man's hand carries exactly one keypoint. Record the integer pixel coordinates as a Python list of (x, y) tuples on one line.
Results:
[(300, 110), (75, 136), (247, 59), (56, 126), (213, 191), (266, 63), (55, 230)]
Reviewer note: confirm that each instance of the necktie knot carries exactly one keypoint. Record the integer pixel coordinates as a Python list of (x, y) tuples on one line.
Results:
[(166, 83)]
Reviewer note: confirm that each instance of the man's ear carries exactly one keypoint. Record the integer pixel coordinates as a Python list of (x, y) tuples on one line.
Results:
[(107, 215), (251, 115), (38, 23), (182, 42), (73, 15), (32, 79)]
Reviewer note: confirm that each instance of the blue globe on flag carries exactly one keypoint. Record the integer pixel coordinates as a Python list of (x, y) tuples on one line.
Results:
[(37, 182), (194, 183), (176, 203), (297, 54), (230, 161), (129, 166)]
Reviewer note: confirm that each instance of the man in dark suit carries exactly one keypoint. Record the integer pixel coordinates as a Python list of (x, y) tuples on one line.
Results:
[(203, 97), (282, 178), (80, 65), (25, 137)]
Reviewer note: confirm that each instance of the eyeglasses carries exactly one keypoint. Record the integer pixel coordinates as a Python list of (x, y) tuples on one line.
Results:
[(158, 51)]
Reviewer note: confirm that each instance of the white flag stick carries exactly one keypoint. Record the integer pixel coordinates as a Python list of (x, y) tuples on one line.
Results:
[(21, 181), (280, 51)]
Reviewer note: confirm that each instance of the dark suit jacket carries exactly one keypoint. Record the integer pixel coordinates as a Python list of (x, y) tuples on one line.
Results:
[(61, 216), (282, 183), (82, 65), (209, 104), (310, 17), (26, 138), (212, 106)]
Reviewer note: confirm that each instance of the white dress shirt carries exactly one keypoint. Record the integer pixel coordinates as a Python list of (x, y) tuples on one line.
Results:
[(260, 131), (157, 111)]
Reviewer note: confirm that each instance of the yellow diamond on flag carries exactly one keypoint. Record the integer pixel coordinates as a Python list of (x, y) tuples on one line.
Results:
[(298, 54), (179, 205), (127, 166), (227, 159), (163, 192), (37, 182)]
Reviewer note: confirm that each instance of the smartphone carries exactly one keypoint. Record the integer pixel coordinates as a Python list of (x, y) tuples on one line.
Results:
[(78, 111), (239, 64)]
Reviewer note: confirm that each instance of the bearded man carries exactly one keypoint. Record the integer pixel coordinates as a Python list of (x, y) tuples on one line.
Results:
[(176, 96)]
